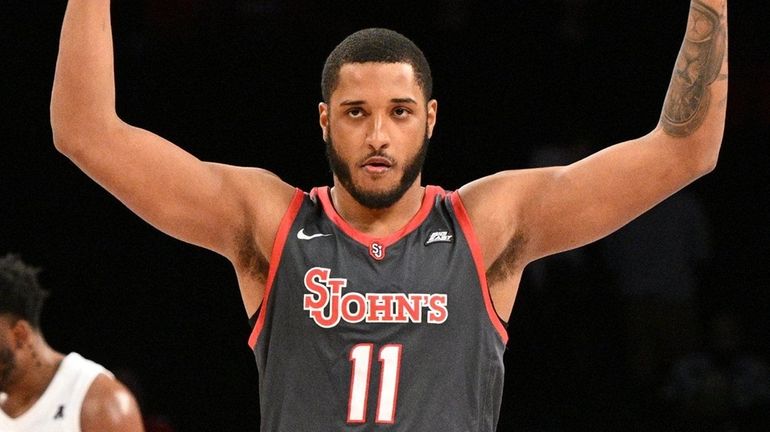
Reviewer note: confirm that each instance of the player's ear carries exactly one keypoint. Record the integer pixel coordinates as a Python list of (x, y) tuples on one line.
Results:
[(432, 113), (323, 120), (21, 331)]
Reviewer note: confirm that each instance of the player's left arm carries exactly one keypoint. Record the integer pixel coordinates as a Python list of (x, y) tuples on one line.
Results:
[(524, 215), (110, 407)]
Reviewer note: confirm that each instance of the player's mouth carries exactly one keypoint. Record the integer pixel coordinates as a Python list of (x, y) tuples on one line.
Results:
[(377, 165)]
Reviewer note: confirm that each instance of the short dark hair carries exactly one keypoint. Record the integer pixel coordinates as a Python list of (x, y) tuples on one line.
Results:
[(376, 45), (20, 292)]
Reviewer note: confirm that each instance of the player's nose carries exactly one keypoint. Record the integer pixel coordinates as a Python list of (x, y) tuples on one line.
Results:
[(377, 136)]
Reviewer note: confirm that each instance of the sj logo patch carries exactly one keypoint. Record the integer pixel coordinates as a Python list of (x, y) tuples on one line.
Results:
[(377, 251)]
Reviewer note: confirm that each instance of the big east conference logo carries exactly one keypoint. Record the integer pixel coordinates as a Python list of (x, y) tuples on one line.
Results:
[(327, 304)]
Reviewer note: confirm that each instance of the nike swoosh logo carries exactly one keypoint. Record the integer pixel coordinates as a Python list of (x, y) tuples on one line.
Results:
[(302, 236)]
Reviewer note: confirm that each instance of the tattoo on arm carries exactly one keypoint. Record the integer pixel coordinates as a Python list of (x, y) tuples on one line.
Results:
[(698, 65)]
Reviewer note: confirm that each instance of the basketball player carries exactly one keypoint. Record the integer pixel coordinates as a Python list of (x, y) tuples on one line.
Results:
[(42, 390), (379, 303)]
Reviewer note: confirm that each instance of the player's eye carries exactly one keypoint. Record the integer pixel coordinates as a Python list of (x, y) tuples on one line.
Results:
[(401, 112), (355, 112)]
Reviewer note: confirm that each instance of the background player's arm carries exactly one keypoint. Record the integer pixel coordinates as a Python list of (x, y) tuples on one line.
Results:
[(110, 407), (211, 205), (523, 215)]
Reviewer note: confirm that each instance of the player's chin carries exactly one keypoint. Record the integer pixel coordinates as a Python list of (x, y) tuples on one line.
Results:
[(378, 189), (378, 184)]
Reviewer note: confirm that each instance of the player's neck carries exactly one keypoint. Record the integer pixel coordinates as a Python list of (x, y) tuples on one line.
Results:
[(378, 222), (34, 375)]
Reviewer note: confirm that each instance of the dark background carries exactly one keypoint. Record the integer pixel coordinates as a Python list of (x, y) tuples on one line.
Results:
[(238, 82)]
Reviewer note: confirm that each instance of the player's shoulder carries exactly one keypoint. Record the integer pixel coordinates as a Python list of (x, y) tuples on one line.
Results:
[(503, 188), (110, 406), (498, 206), (249, 182)]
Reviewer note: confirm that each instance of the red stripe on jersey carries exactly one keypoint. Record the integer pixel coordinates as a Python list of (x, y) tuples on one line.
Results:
[(367, 240), (470, 235), (275, 258)]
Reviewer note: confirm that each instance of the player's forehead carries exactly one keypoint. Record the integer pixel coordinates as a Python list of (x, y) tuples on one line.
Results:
[(358, 81)]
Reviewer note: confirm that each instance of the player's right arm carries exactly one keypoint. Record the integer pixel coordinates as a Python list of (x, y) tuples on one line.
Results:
[(210, 205)]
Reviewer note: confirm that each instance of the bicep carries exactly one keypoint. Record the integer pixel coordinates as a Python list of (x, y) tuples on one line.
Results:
[(589, 199), (554, 209), (194, 201)]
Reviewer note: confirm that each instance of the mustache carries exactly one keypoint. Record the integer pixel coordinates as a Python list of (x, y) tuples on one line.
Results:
[(379, 154)]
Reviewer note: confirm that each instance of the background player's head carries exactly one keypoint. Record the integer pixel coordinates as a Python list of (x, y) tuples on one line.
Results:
[(376, 87), (21, 300), (21, 296)]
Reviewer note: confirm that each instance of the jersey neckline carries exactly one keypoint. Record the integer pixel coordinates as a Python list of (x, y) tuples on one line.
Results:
[(323, 194), (42, 400)]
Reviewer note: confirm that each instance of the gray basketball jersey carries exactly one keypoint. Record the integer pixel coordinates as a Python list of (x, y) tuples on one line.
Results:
[(357, 333)]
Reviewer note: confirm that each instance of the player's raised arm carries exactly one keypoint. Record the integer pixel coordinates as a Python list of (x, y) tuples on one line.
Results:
[(211, 205), (534, 213)]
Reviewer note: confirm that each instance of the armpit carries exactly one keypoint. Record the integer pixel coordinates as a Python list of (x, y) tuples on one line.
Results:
[(504, 267), (250, 258)]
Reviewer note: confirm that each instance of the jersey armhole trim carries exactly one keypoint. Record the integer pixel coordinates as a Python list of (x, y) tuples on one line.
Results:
[(470, 235), (275, 258)]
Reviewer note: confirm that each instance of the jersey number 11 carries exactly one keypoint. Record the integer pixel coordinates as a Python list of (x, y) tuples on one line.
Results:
[(361, 358)]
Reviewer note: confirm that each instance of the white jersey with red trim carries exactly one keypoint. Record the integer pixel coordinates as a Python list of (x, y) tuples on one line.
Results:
[(58, 409), (358, 333)]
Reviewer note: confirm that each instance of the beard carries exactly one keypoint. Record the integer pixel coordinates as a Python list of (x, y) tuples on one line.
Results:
[(7, 366), (377, 200)]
